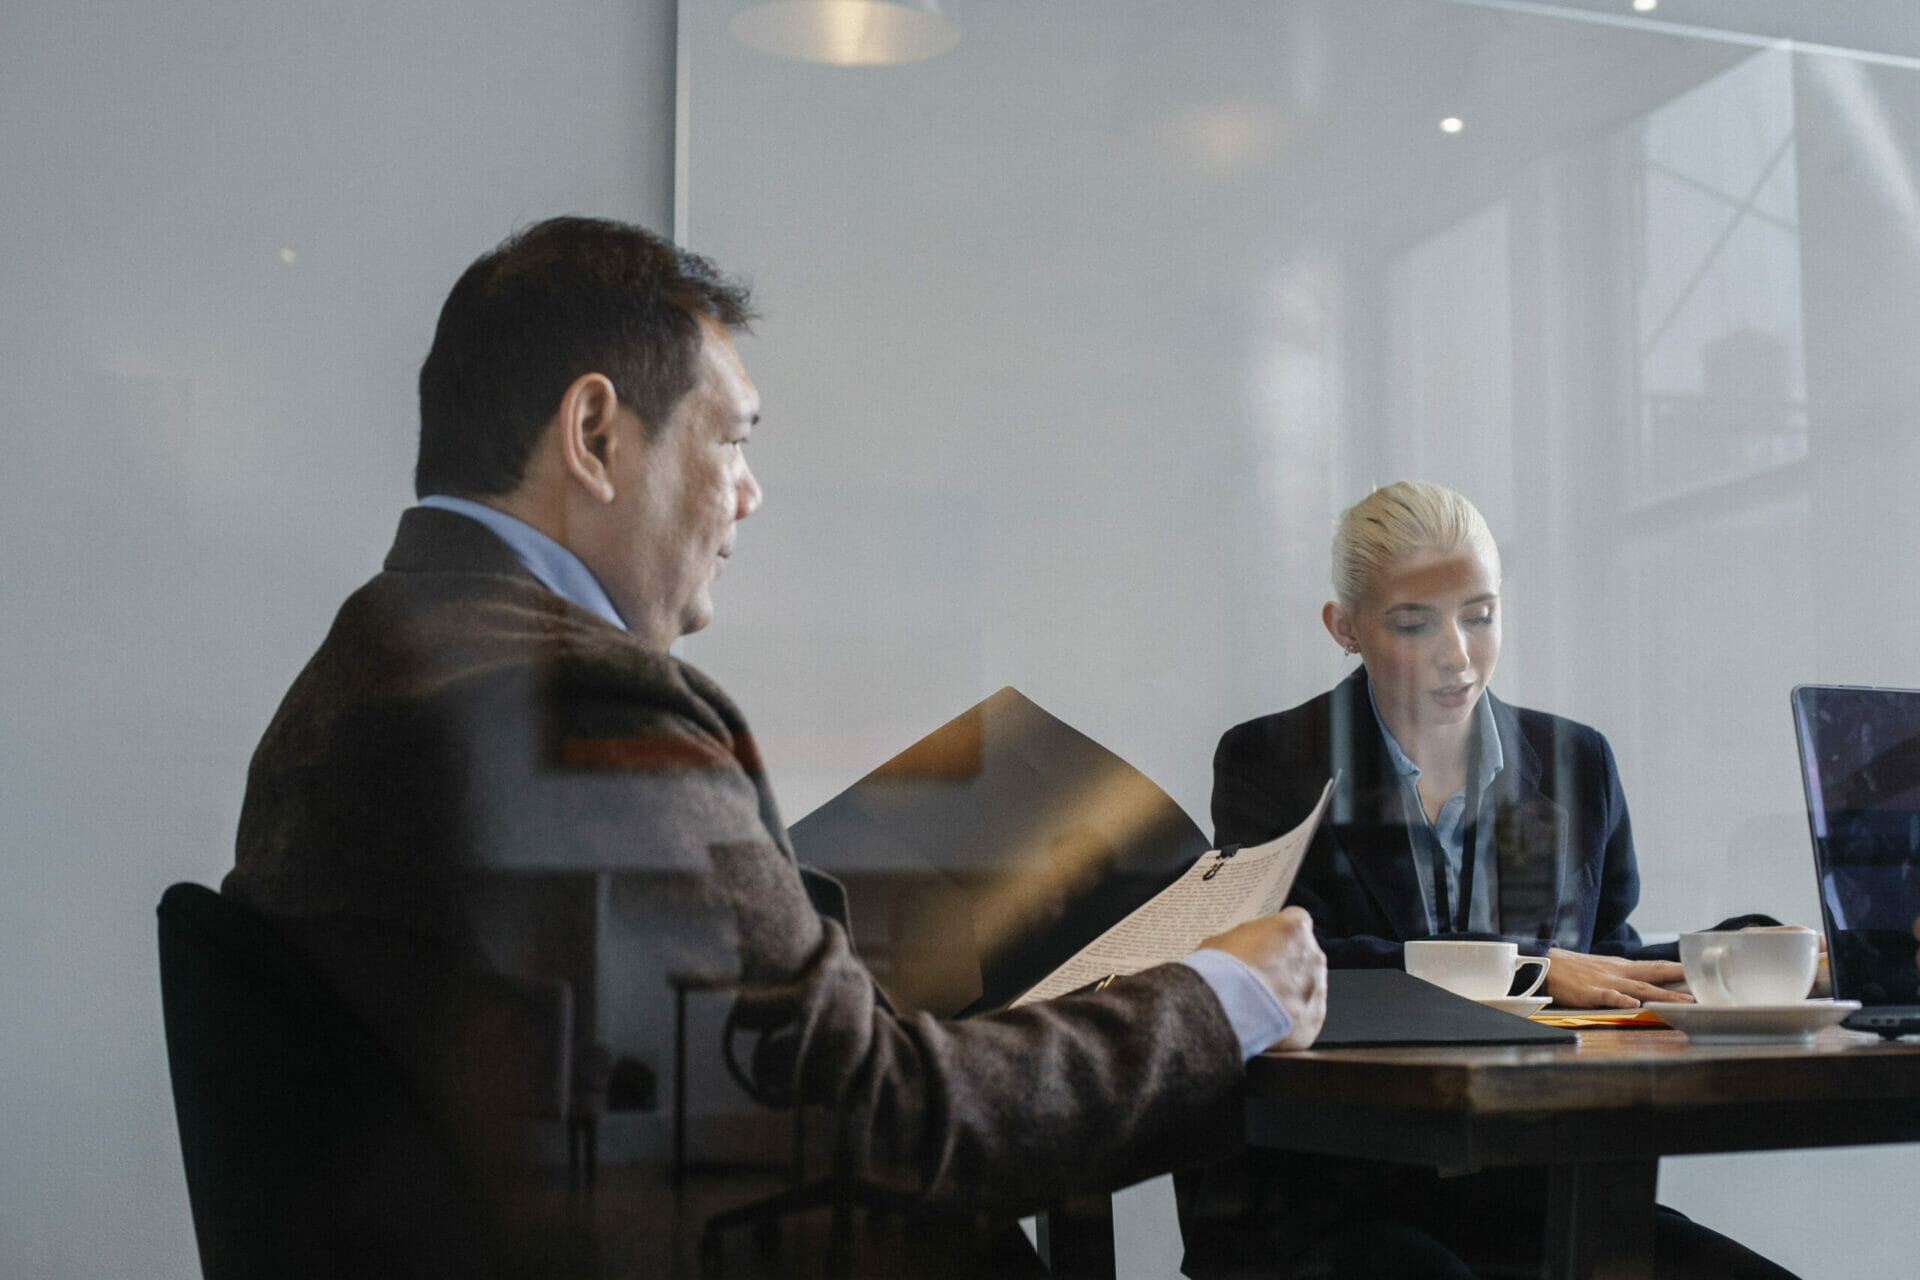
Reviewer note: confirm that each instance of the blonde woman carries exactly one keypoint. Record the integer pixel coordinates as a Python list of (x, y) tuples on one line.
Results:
[(1454, 814)]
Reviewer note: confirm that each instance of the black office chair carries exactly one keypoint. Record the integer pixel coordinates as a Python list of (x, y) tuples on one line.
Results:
[(307, 1153)]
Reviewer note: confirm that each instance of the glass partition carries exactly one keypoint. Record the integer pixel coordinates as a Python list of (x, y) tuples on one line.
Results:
[(1080, 335)]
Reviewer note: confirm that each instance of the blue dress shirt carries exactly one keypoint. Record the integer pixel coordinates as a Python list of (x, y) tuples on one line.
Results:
[(1449, 828), (558, 569)]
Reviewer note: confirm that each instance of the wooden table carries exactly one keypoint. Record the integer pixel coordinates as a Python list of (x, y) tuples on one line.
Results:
[(1598, 1116)]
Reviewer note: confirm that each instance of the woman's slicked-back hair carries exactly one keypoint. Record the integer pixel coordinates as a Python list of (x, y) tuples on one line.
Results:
[(1395, 521), (562, 298)]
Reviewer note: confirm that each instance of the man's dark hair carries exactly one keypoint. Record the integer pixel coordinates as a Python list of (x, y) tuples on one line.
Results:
[(559, 299)]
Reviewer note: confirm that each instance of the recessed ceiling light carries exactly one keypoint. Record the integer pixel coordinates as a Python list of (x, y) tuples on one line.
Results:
[(847, 33), (1645, 6), (1452, 124)]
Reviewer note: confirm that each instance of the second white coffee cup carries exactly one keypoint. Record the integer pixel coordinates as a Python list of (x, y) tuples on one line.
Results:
[(1476, 970), (1752, 966)]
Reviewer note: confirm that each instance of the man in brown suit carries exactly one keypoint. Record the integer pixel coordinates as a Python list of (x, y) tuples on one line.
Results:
[(501, 697)]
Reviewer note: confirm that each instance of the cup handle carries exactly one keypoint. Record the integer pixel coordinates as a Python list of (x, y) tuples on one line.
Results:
[(1712, 979), (1539, 977)]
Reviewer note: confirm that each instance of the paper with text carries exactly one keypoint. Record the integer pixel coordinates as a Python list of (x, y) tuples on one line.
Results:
[(1213, 895)]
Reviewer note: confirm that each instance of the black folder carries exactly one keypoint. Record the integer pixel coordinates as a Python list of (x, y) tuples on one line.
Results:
[(1389, 1007), (997, 799)]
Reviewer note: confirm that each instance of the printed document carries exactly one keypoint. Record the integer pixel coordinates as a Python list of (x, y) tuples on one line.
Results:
[(1221, 889)]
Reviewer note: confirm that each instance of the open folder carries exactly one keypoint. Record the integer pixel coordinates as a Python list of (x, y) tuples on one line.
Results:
[(1054, 863), (997, 846)]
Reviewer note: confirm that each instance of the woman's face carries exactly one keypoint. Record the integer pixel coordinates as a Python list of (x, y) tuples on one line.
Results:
[(1429, 633)]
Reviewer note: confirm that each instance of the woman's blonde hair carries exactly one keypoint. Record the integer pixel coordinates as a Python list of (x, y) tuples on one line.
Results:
[(1396, 520)]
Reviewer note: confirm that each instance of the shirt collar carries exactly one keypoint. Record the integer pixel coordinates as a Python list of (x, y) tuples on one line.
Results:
[(1492, 758), (558, 569)]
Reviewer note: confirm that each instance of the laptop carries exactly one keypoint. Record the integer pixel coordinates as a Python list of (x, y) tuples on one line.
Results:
[(1860, 761)]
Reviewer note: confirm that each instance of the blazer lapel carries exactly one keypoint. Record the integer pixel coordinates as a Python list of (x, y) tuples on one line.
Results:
[(1368, 817), (1530, 843)]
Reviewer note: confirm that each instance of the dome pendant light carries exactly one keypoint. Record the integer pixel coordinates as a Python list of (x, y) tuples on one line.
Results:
[(847, 33)]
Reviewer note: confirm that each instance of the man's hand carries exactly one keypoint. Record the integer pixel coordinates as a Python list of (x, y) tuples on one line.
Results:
[(1282, 951), (1580, 981)]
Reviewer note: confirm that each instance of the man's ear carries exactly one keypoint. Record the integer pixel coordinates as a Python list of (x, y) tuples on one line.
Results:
[(585, 422)]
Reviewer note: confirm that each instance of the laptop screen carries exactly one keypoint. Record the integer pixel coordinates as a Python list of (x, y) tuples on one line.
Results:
[(1860, 760)]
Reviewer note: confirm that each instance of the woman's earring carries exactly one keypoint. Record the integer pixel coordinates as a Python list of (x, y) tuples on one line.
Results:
[(1353, 651)]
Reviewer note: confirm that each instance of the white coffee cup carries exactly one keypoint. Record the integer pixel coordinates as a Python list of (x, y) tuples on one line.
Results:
[(1752, 966), (1476, 970)]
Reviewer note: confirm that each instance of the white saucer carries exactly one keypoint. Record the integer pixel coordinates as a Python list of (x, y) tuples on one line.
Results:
[(1522, 1005), (1752, 1023)]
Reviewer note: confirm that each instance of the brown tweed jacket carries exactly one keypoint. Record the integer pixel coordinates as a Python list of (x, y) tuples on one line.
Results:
[(461, 723)]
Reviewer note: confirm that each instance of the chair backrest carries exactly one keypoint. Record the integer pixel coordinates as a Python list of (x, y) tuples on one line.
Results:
[(307, 1152)]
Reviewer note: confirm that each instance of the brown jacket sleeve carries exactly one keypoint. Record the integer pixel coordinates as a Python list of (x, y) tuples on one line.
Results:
[(1002, 1111)]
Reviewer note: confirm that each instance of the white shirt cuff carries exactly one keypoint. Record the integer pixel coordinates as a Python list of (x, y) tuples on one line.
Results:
[(1253, 1010)]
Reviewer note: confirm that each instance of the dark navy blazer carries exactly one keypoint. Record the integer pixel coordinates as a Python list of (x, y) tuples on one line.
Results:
[(1560, 829), (1567, 878)]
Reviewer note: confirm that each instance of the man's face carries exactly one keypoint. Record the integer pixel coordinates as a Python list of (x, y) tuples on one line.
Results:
[(679, 497)]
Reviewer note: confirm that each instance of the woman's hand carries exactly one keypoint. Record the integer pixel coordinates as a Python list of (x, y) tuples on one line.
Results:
[(1580, 981)]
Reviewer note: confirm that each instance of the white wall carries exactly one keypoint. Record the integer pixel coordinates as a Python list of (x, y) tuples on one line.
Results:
[(206, 448)]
